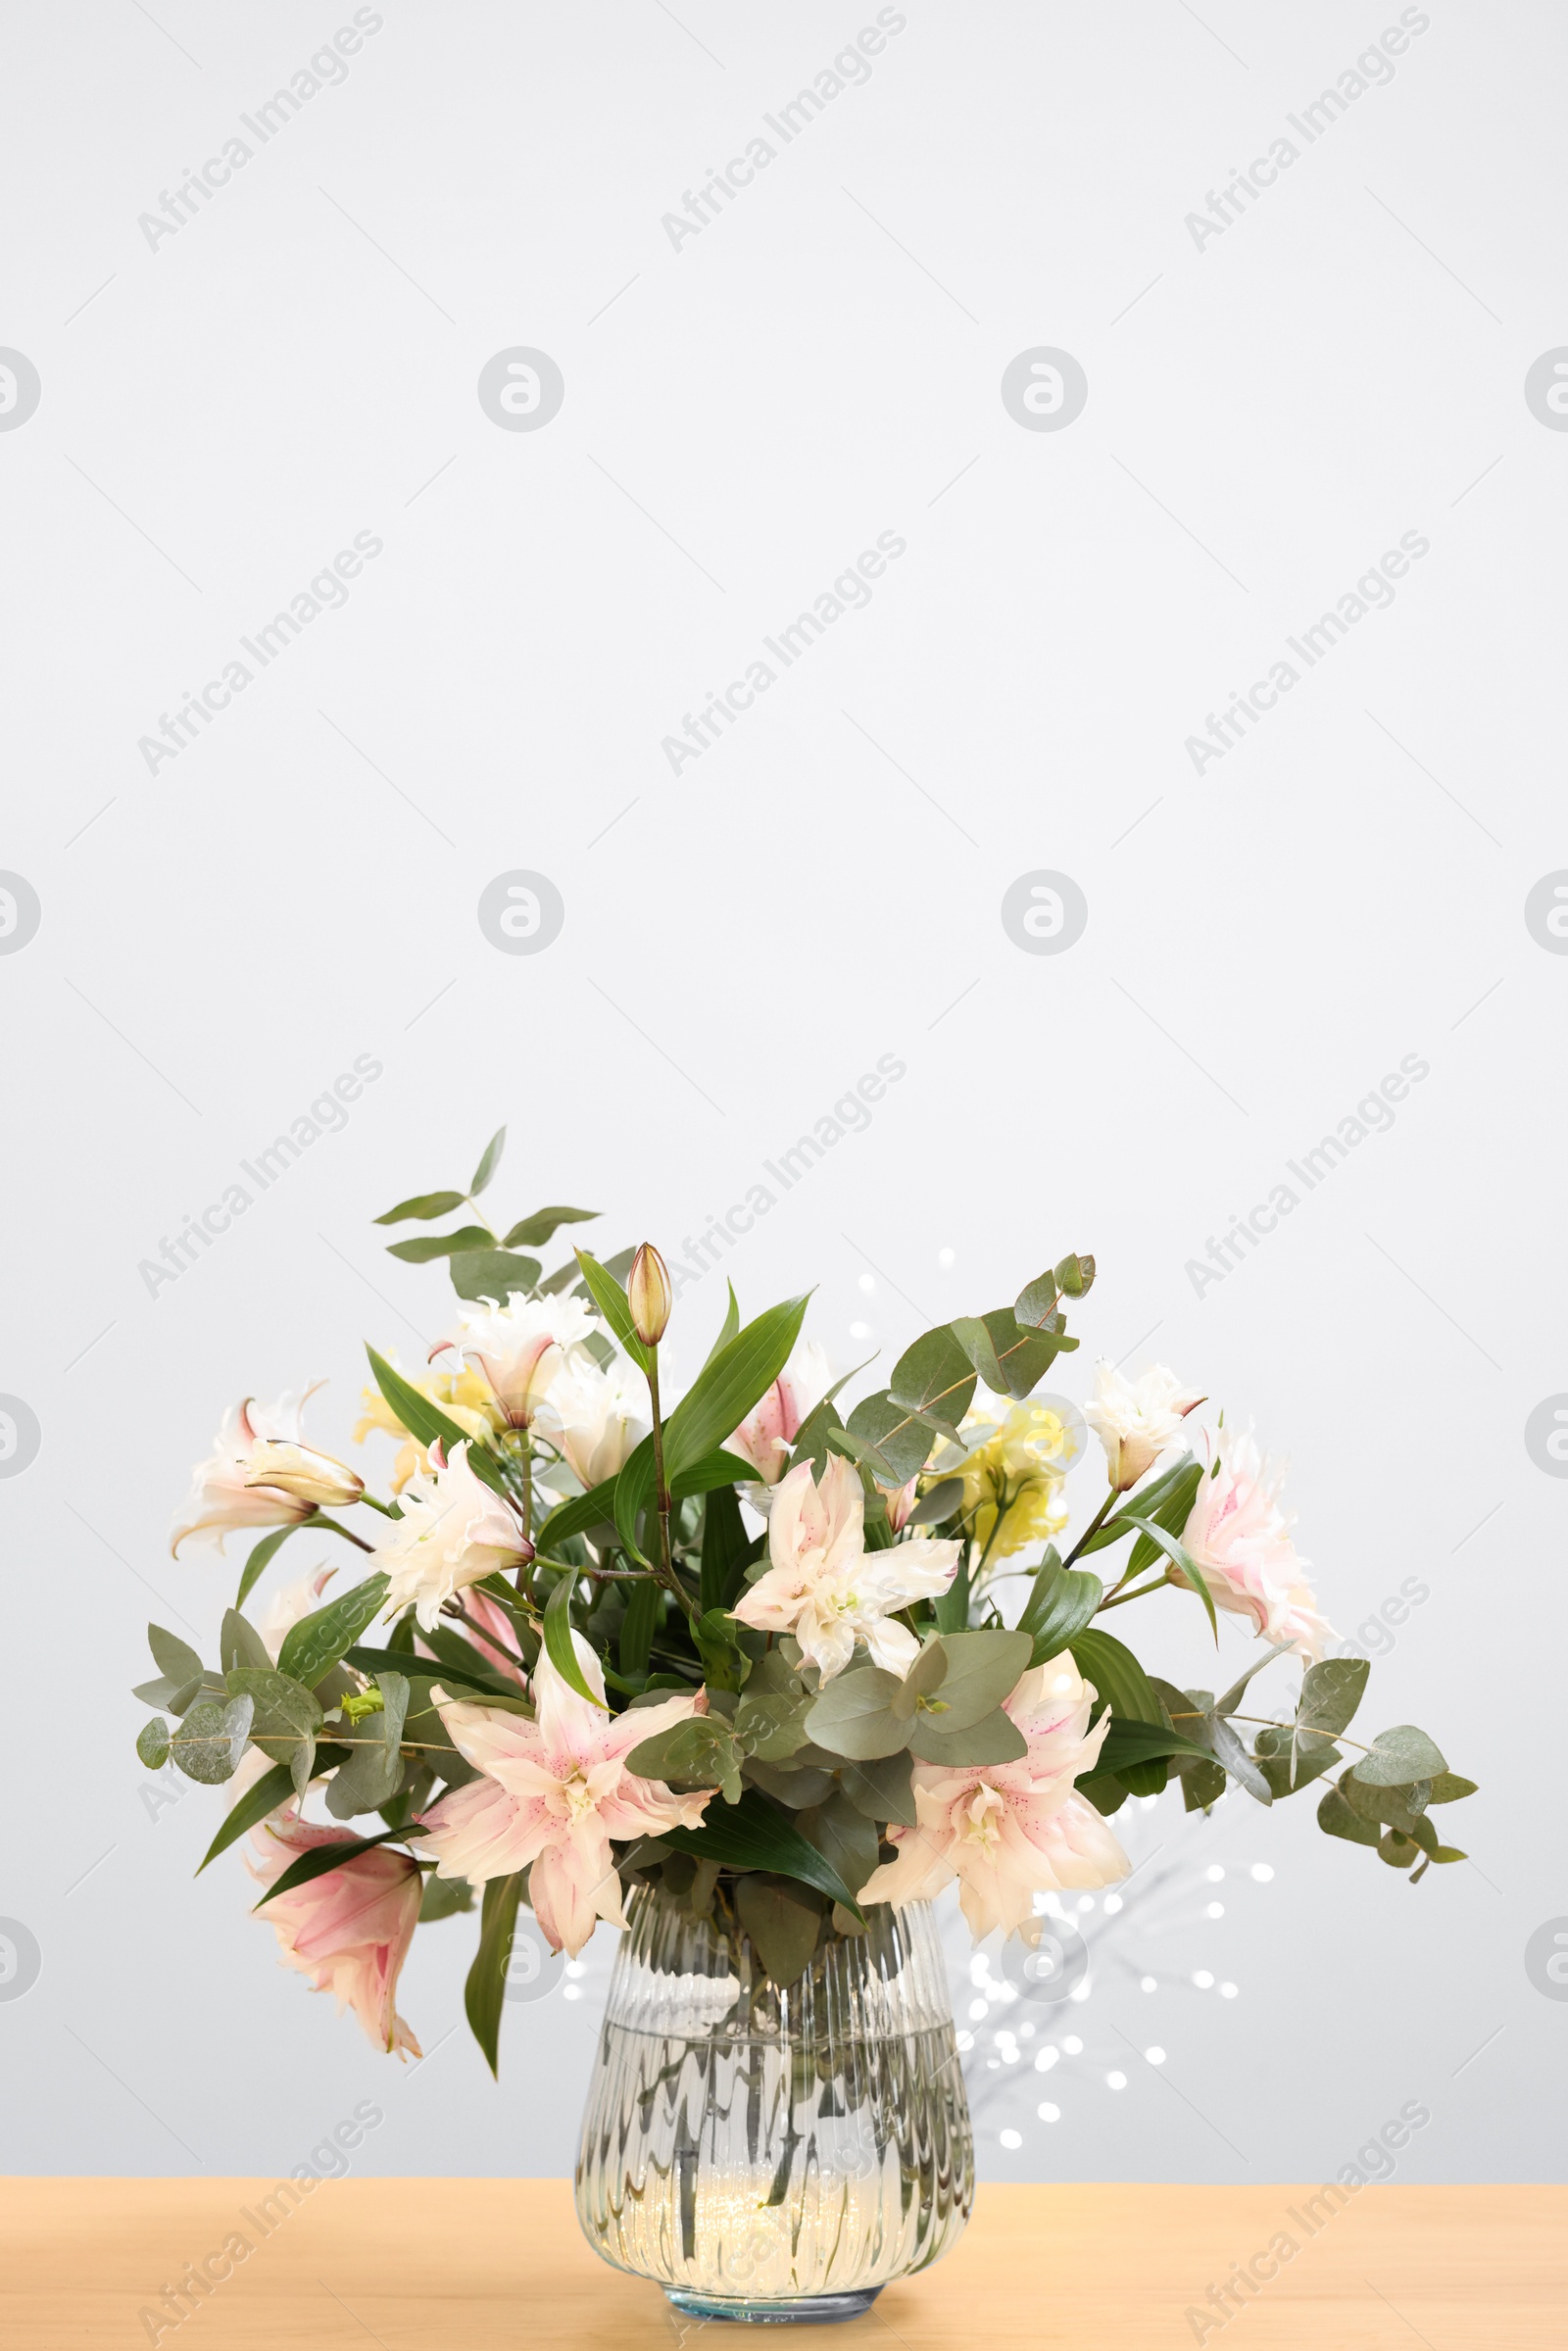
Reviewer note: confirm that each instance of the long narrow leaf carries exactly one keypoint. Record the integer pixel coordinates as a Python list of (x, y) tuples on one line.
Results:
[(756, 1834), (322, 1859), (428, 1424), (273, 1788), (559, 1644), (730, 1384), (258, 1560), (1178, 1557), (485, 1992), (611, 1300)]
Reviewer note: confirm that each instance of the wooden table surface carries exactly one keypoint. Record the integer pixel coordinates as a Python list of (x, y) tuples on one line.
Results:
[(475, 2265)]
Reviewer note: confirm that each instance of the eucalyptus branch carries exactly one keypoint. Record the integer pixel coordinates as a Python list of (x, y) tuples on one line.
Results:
[(1300, 1729)]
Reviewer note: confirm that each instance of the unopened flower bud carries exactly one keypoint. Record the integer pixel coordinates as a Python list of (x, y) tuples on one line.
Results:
[(648, 1295), (310, 1477)]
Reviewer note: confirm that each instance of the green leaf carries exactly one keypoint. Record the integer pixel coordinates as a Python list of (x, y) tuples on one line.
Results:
[(611, 1300), (725, 1548), (1202, 1783), (724, 1662), (1221, 1741), (1061, 1601), (754, 1834), (372, 1774), (449, 1673), (321, 1859), (444, 1897), (174, 1658), (934, 1375), (1117, 1675), (1178, 1557), (889, 1440), (770, 1718), (177, 1697), (726, 1388), (492, 1273), (983, 1669), (484, 1993), (260, 1553), (321, 1639), (1109, 1794), (637, 1628), (1447, 1787), (239, 1643), (633, 1493), (1286, 1774), (1233, 1697), (286, 1717), (1128, 1743), (1009, 1358), (882, 1788), (152, 1743), (425, 1207), (489, 1161), (1334, 1816), (1036, 1304), (854, 1715), (1331, 1694), (995, 1739), (1398, 1756), (730, 1326), (533, 1231), (558, 1639), (247, 1811), (1150, 1503), (783, 1923), (842, 1835), (700, 1752), (428, 1424), (211, 1739), (1173, 1511), (429, 1246), (1399, 1808), (951, 1608), (937, 1503), (1076, 1276)]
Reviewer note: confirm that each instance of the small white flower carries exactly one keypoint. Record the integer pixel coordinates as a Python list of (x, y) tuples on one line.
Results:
[(597, 1418), (1135, 1420), (222, 1495), (521, 1348), (455, 1530), (826, 1587)]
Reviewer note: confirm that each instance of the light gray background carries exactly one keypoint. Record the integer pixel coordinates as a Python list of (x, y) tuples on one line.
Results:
[(741, 416)]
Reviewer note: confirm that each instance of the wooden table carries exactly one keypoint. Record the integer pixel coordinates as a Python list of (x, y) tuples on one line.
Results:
[(475, 2265)]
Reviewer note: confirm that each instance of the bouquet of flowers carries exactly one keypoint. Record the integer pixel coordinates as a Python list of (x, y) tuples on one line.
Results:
[(777, 1661)]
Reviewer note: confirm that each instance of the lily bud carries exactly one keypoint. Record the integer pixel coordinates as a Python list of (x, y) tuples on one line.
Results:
[(648, 1295), (310, 1477)]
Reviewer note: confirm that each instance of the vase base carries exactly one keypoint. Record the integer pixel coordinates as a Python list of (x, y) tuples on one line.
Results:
[(809, 2310)]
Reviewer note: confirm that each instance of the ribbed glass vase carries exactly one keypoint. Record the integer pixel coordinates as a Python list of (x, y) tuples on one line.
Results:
[(775, 2155)]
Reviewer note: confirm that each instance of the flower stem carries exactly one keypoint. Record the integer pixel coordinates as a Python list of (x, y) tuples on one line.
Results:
[(666, 1569), (1118, 1599), (1093, 1526), (318, 1518)]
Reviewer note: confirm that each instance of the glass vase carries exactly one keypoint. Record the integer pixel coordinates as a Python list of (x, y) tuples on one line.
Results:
[(768, 2154)]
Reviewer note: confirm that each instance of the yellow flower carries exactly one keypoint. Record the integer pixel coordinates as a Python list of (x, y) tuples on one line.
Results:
[(463, 1396), (1018, 1470)]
